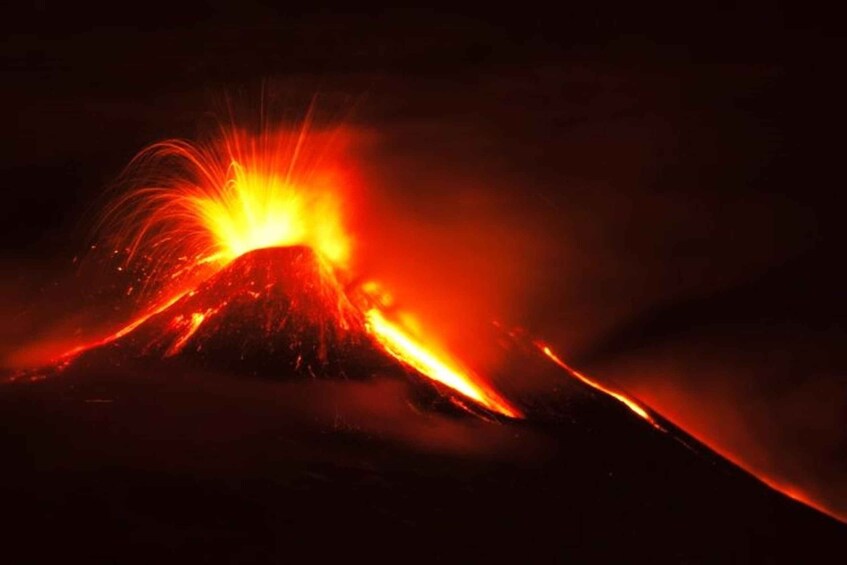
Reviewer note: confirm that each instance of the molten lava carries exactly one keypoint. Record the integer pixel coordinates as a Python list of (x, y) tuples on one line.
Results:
[(620, 397), (406, 349)]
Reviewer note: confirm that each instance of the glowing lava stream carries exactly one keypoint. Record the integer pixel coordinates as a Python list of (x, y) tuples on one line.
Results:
[(628, 402), (789, 491), (406, 349), (79, 349)]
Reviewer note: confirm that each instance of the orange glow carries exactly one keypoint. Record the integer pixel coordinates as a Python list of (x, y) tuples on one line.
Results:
[(31, 356), (790, 491), (437, 367), (253, 211), (125, 330), (628, 402), (194, 208), (191, 208)]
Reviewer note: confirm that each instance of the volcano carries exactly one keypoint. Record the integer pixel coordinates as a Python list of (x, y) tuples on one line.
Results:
[(285, 405), (275, 312), (281, 313), (256, 418)]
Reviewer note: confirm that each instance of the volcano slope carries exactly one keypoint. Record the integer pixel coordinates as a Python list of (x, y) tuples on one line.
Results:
[(276, 312), (254, 421)]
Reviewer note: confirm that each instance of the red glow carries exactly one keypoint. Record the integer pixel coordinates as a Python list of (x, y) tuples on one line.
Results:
[(125, 330)]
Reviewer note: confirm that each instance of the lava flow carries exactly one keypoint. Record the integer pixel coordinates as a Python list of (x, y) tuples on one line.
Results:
[(620, 397)]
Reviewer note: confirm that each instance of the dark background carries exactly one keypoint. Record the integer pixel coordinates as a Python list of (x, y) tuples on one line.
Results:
[(666, 181)]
